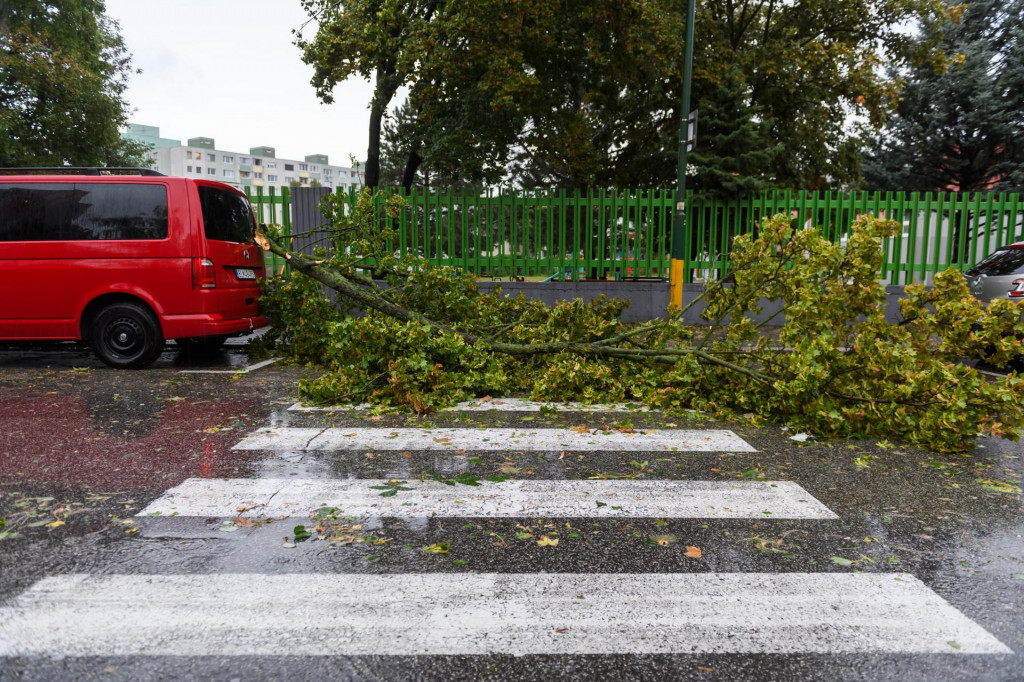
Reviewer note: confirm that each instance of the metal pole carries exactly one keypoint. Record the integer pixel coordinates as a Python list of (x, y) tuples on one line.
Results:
[(680, 235)]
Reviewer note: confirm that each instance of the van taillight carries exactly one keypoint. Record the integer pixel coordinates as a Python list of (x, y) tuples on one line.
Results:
[(203, 274)]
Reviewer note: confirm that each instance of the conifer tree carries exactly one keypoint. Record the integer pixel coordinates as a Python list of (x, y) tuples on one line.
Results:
[(960, 127)]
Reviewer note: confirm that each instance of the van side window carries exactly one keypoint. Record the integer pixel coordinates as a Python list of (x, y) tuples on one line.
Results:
[(226, 216), (47, 212), (38, 212), (111, 211)]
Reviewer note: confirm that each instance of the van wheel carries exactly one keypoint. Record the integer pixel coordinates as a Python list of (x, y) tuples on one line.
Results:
[(202, 346), (127, 336)]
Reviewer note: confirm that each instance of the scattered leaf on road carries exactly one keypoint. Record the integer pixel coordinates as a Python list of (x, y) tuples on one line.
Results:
[(437, 548), (998, 486)]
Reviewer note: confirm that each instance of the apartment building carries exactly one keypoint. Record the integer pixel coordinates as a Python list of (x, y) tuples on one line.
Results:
[(260, 167)]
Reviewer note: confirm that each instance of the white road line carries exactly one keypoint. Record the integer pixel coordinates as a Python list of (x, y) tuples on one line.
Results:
[(496, 404), (467, 613), (518, 498), (240, 370), (285, 438)]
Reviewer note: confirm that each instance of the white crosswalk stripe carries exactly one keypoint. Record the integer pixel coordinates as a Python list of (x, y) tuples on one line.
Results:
[(468, 613), (518, 498), (492, 439), (495, 405), (438, 614)]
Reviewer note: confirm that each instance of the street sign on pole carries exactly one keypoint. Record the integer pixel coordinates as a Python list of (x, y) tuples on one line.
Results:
[(691, 130)]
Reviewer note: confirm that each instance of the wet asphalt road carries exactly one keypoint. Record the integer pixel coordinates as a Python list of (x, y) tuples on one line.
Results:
[(91, 447)]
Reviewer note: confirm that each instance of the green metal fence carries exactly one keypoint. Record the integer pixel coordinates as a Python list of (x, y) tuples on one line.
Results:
[(628, 234)]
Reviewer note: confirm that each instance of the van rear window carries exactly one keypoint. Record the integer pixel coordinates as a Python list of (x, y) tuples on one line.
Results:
[(226, 216), (82, 212)]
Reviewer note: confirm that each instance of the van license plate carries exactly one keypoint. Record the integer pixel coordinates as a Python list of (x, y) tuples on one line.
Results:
[(245, 273)]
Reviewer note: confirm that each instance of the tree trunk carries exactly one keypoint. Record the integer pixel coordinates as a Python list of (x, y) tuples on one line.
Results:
[(371, 177), (412, 164)]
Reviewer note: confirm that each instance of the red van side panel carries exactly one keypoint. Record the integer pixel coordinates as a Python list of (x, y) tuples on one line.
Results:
[(46, 286)]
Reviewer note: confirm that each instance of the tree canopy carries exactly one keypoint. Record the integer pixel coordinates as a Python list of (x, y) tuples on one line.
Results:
[(960, 127), (578, 94), (63, 73)]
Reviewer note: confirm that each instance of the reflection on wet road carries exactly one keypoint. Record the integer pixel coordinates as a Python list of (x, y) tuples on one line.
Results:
[(486, 548)]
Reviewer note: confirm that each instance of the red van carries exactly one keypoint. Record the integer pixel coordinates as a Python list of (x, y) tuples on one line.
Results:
[(124, 261)]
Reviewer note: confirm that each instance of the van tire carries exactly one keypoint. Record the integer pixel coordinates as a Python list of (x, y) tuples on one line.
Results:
[(126, 336)]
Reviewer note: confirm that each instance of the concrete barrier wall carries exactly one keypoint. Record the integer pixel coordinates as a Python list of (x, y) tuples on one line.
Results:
[(648, 300)]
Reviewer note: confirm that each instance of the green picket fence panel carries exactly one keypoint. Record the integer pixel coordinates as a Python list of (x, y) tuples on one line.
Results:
[(624, 234)]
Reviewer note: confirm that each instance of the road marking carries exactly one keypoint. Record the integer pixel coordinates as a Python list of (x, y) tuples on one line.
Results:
[(518, 498), (495, 404), (482, 613), (240, 370), (660, 440)]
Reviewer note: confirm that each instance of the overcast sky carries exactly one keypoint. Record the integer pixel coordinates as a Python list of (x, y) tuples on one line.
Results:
[(227, 69)]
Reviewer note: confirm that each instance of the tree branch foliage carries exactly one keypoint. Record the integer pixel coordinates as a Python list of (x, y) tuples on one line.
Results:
[(63, 73), (429, 338), (585, 93)]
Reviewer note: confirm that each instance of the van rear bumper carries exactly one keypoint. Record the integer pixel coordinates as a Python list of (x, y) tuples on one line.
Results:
[(186, 326)]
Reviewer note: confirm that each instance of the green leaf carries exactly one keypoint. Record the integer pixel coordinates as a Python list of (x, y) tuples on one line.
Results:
[(841, 561), (300, 533), (998, 486), (437, 548)]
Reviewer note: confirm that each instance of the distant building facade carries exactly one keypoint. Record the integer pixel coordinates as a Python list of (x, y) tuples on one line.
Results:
[(260, 167)]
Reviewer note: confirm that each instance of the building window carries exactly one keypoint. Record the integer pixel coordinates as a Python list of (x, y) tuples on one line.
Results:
[(271, 178), (212, 157), (211, 171), (289, 166), (229, 174), (244, 174), (258, 176), (303, 166), (327, 172), (271, 164), (257, 162), (199, 169), (316, 169), (244, 160), (289, 180), (227, 159)]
